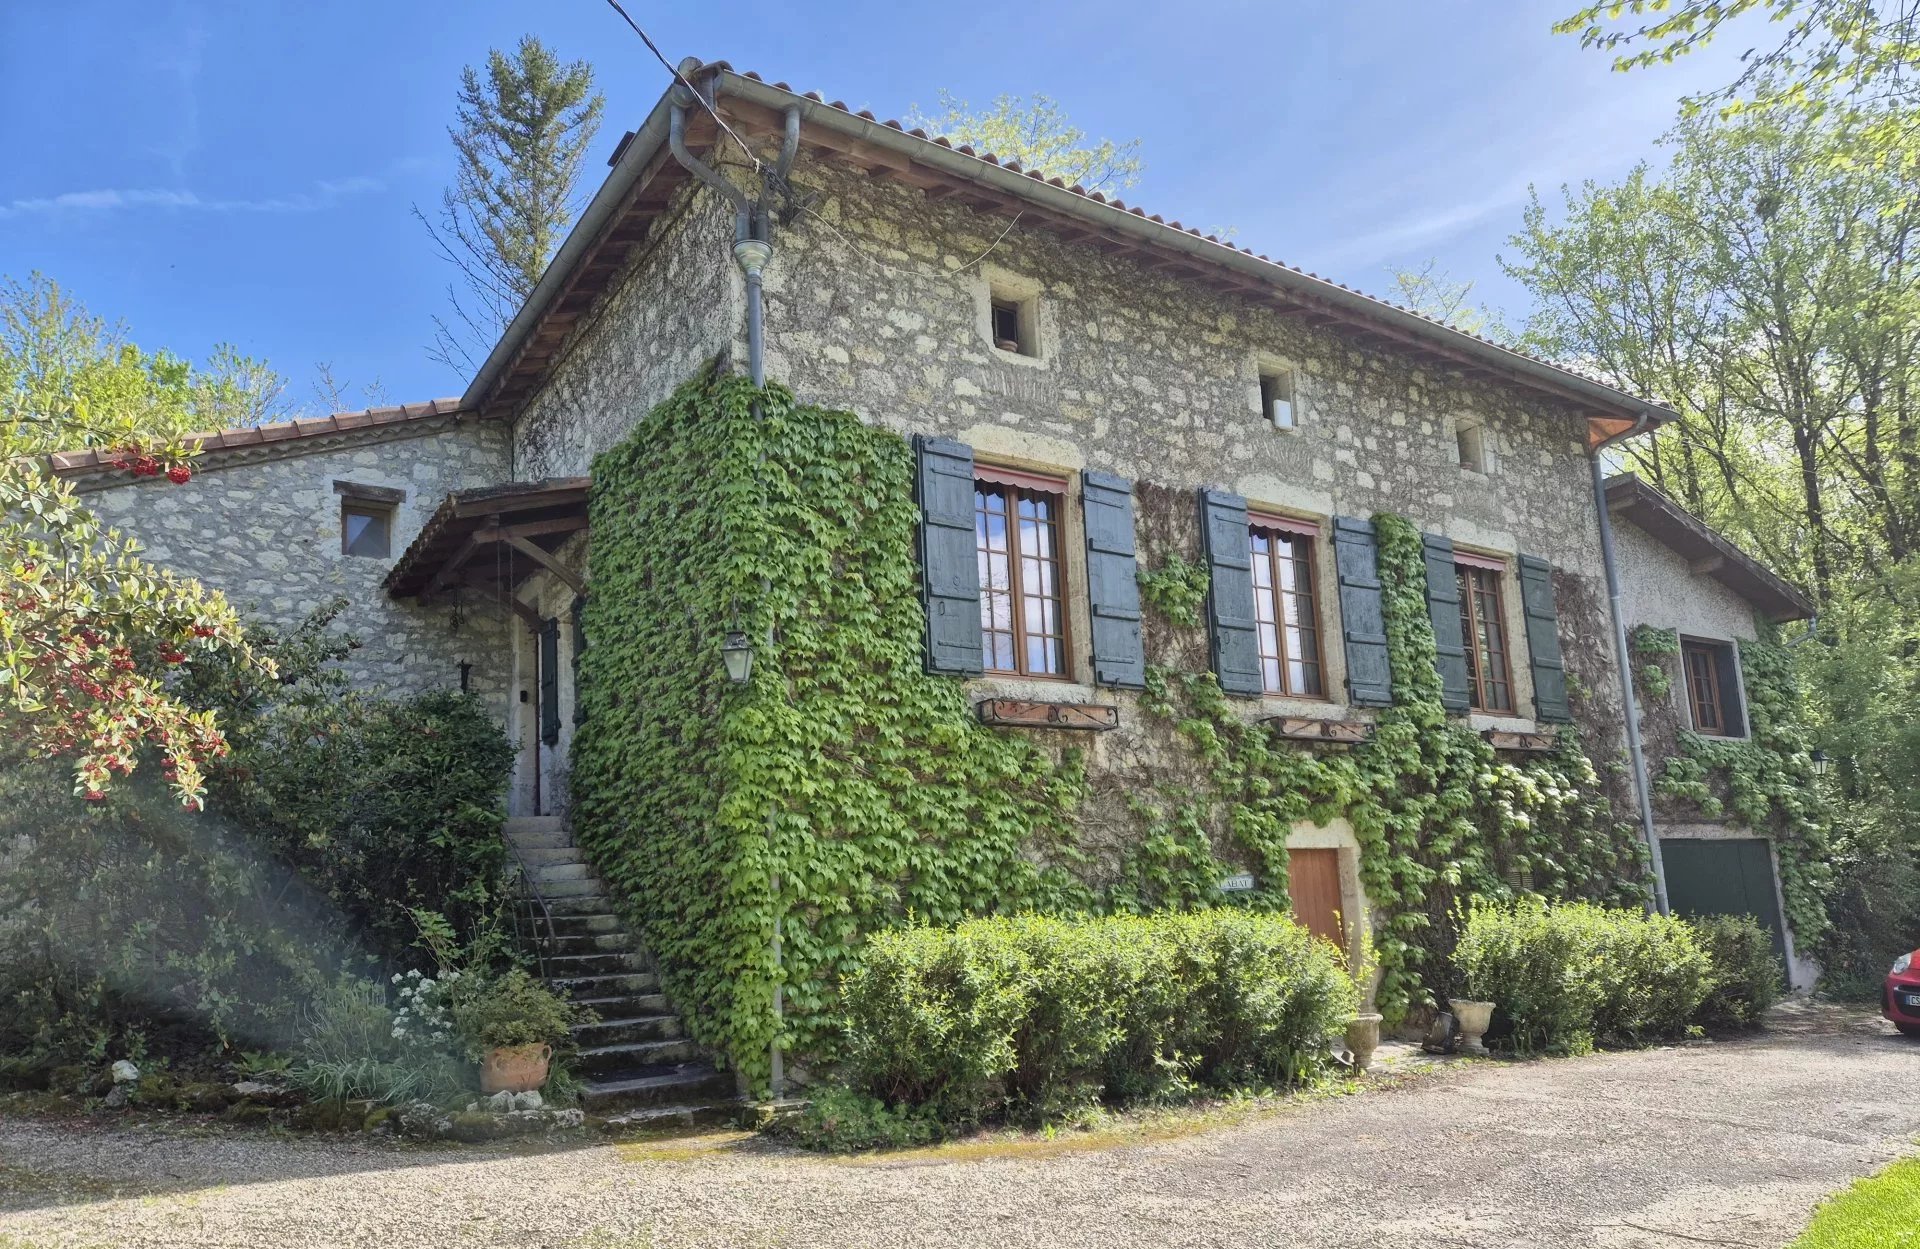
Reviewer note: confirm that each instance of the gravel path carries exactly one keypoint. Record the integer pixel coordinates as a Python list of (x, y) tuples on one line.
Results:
[(1720, 1144)]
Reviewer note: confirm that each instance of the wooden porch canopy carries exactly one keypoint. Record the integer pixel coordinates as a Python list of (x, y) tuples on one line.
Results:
[(493, 538)]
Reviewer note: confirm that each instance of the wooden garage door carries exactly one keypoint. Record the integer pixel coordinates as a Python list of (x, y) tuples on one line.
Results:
[(1734, 876), (1313, 882)]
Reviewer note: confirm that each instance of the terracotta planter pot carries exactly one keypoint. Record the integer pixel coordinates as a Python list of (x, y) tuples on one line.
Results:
[(515, 1068), (1474, 1018), (1363, 1037)]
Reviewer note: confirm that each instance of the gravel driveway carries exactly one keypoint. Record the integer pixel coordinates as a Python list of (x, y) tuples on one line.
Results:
[(1726, 1144)]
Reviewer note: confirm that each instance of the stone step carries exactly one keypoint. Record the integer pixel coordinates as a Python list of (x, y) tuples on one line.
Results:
[(546, 856), (694, 1115), (598, 1061), (584, 925), (599, 963), (591, 943), (535, 824), (625, 1006), (598, 988), (583, 887), (569, 906), (549, 874), (614, 1030), (670, 1084)]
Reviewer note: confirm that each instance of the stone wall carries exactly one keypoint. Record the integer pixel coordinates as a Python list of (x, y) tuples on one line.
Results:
[(877, 301), (266, 532), (1659, 588), (672, 309)]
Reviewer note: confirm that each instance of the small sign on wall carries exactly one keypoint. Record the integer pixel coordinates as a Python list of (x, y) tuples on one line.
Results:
[(1241, 882)]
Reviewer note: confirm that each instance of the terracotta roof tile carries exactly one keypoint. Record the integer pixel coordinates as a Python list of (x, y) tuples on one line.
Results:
[(215, 441)]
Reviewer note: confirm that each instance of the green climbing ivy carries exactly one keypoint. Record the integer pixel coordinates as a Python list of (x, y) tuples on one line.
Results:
[(1765, 782), (1438, 815), (1177, 589), (842, 788), (1657, 646)]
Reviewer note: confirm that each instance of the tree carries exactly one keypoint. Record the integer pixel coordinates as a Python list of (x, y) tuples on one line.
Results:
[(91, 635), (54, 354), (520, 138), (1850, 56), (1431, 291), (1771, 293), (1034, 131)]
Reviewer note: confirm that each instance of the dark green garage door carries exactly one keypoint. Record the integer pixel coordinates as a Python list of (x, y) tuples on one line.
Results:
[(1724, 877)]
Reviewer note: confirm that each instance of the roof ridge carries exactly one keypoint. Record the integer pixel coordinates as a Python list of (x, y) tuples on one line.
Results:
[(1094, 196), (296, 428)]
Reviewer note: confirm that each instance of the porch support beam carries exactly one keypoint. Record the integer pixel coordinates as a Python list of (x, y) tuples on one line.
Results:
[(546, 561)]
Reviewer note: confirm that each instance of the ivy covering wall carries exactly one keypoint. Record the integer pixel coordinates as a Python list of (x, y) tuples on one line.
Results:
[(1764, 781), (1438, 814), (843, 789)]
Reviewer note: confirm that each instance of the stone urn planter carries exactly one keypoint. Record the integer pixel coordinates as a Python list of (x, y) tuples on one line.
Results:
[(515, 1068), (1474, 1018), (1363, 1037)]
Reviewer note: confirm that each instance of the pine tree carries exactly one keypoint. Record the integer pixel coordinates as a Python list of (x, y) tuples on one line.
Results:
[(520, 135)]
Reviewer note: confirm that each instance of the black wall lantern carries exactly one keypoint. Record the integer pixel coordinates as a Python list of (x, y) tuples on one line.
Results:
[(737, 653)]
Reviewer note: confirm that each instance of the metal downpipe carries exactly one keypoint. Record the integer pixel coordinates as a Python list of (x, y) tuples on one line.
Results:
[(752, 251), (1642, 790)]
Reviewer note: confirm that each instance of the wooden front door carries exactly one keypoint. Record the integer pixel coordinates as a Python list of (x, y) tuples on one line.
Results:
[(1313, 883)]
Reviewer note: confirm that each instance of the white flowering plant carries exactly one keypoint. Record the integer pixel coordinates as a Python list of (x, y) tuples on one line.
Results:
[(423, 1018)]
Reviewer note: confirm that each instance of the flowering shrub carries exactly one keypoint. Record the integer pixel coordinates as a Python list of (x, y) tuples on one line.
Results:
[(424, 1016)]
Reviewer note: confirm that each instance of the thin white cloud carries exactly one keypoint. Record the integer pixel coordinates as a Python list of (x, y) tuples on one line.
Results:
[(324, 195)]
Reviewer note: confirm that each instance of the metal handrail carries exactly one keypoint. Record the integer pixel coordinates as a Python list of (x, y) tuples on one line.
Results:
[(534, 897)]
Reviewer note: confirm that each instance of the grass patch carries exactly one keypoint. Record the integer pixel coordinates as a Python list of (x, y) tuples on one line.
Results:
[(1879, 1212)]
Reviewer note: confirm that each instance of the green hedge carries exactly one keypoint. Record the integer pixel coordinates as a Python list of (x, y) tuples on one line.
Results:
[(1746, 971), (1567, 974), (1033, 1017)]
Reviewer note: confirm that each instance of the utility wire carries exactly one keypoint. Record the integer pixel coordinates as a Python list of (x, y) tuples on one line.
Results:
[(682, 80)]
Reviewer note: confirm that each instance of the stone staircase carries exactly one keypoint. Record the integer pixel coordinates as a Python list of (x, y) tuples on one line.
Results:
[(636, 1062)]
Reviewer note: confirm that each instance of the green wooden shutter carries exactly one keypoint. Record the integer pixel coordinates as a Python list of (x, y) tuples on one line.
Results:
[(1363, 622), (1733, 709), (550, 682), (1230, 619), (1443, 608), (1113, 588), (579, 649), (949, 557), (1543, 640)]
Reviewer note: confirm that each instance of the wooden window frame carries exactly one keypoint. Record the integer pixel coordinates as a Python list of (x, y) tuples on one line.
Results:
[(1010, 484), (1472, 573), (359, 505), (1716, 695), (1288, 529)]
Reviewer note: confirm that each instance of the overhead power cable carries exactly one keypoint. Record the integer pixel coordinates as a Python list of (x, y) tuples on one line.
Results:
[(682, 80)]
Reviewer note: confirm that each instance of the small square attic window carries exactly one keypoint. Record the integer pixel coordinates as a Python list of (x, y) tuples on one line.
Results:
[(1276, 397), (366, 518), (1470, 444), (1011, 321)]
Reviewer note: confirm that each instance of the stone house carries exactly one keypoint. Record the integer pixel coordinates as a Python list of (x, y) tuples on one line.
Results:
[(1704, 601), (1082, 382)]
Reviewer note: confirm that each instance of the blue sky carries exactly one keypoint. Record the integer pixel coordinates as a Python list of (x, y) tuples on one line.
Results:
[(229, 170)]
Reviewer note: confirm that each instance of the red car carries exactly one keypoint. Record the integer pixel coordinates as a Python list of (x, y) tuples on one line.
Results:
[(1900, 999)]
